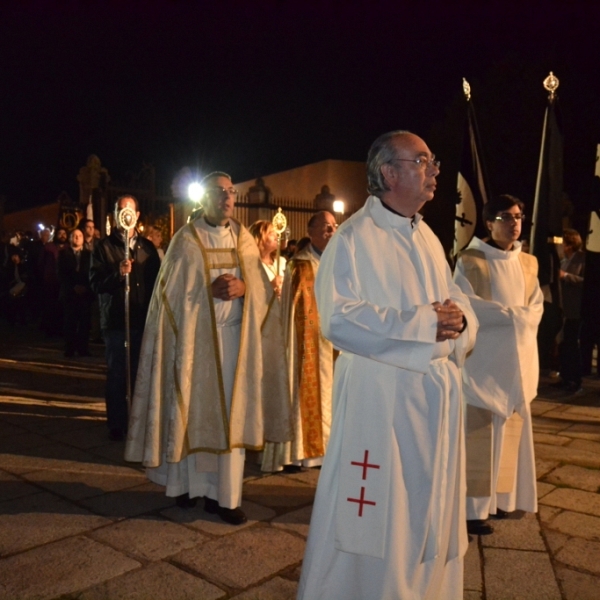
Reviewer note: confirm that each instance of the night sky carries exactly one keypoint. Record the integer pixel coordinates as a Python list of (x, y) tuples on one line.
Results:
[(258, 87)]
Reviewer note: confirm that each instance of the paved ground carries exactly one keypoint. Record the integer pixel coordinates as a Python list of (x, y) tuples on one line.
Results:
[(77, 522)]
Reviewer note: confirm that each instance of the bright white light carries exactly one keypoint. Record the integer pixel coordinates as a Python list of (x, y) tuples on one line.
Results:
[(41, 226), (339, 206), (195, 192)]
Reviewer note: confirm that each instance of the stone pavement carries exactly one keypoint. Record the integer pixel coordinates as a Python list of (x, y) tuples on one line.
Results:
[(77, 522)]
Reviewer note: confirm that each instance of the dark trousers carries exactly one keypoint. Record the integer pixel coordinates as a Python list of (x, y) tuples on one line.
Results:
[(77, 318), (569, 354), (116, 377)]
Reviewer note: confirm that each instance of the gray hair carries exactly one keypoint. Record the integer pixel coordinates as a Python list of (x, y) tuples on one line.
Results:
[(382, 151)]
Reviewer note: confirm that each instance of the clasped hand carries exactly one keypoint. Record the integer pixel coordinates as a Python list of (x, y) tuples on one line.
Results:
[(450, 320), (228, 287)]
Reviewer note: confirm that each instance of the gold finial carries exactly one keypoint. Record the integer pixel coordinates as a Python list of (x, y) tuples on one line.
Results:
[(551, 83), (279, 222), (107, 224), (466, 89)]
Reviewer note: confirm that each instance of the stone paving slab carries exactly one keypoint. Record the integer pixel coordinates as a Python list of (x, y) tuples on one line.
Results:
[(578, 586), (298, 521), (277, 491), (53, 456), (539, 407), (160, 581), (41, 518), (60, 568), (275, 589), (473, 580), (555, 540), (584, 431), (149, 538), (547, 513), (15, 443), (519, 574), (130, 502), (581, 554), (518, 534), (198, 519), (543, 489), (576, 477), (577, 524), (586, 445), (78, 485), (542, 467), (567, 454), (14, 487), (575, 500), (548, 425), (90, 437), (245, 558)]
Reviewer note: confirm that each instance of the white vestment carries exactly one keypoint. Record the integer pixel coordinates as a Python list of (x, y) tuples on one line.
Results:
[(388, 518), (277, 455), (272, 271), (211, 374), (501, 373)]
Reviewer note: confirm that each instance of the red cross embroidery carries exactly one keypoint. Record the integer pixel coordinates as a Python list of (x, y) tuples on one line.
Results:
[(361, 501), (365, 465)]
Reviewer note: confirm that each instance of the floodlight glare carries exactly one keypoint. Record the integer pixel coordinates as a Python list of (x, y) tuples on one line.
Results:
[(195, 192), (41, 226), (339, 206)]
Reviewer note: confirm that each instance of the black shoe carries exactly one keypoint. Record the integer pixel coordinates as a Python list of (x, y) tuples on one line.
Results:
[(233, 516), (559, 384), (501, 514), (116, 435), (479, 527), (292, 469), (184, 501)]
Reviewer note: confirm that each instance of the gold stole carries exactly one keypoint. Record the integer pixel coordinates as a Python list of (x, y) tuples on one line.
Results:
[(479, 420), (306, 321)]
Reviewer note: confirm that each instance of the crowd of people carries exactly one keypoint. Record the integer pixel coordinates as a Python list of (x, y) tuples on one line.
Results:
[(424, 433)]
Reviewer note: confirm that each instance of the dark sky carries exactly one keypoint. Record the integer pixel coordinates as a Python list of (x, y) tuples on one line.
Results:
[(257, 87)]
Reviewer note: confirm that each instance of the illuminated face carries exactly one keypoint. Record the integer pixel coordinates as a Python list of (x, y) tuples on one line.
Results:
[(76, 239), (89, 230), (156, 237), (219, 200), (322, 231), (411, 183), (61, 236), (269, 241), (506, 228)]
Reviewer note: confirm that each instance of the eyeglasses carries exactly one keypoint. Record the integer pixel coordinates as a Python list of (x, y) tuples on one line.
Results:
[(422, 162), (329, 228), (509, 218), (221, 191)]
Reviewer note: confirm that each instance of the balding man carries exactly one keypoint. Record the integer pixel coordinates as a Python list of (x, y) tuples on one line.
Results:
[(212, 368), (388, 518), (310, 357)]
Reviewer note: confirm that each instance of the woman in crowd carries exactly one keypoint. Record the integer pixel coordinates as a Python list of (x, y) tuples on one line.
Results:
[(266, 239)]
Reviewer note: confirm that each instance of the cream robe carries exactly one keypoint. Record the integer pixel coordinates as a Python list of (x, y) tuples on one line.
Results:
[(501, 373), (180, 405), (278, 455), (388, 519)]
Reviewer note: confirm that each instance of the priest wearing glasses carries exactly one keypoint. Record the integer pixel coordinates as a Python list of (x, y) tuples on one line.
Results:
[(388, 519), (501, 374), (212, 369)]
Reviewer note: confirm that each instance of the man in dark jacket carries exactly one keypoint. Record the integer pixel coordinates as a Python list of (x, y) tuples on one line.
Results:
[(107, 278)]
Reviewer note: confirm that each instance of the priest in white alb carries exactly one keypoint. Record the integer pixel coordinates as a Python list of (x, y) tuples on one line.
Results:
[(501, 374), (310, 357), (388, 518), (212, 370)]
